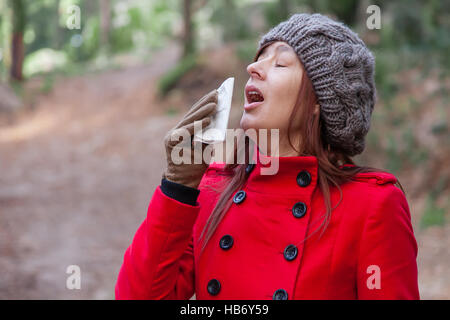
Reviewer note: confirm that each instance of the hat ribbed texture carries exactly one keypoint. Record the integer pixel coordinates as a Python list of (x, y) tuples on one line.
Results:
[(341, 69)]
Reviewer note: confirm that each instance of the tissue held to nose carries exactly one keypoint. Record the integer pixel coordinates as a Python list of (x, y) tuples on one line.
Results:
[(216, 130)]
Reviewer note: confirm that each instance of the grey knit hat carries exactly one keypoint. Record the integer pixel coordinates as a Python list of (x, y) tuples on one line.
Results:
[(341, 69)]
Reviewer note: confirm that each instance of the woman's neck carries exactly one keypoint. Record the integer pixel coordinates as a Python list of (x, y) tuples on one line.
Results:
[(281, 148)]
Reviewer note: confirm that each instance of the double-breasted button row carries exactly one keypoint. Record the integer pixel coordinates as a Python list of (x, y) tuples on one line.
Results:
[(280, 294), (303, 178), (239, 196), (226, 242), (213, 287)]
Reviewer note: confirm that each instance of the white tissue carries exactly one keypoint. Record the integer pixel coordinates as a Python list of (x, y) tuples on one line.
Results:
[(216, 130)]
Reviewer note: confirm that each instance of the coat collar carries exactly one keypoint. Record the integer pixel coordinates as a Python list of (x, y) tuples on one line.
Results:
[(295, 174), (289, 168)]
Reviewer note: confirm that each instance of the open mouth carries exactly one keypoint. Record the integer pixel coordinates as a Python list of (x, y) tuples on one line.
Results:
[(253, 94)]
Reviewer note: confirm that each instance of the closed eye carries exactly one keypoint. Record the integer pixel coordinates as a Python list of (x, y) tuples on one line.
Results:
[(279, 65)]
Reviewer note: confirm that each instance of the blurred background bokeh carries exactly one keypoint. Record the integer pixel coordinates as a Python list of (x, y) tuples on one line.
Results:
[(84, 108)]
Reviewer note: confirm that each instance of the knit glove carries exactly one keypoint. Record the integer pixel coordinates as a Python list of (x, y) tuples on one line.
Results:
[(189, 174)]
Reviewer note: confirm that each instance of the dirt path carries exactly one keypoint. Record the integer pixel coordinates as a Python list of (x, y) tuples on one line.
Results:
[(76, 177)]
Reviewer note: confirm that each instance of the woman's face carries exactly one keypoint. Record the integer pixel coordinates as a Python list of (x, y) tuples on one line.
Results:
[(271, 91)]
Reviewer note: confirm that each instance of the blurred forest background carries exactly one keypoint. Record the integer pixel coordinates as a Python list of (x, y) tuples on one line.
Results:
[(83, 112)]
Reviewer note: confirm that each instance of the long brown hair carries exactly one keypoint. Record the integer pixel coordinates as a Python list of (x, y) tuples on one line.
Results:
[(312, 142)]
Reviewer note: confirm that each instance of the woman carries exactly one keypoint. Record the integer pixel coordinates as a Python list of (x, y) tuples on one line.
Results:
[(226, 231)]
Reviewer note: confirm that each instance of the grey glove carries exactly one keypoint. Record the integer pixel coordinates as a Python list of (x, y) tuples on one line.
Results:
[(190, 174)]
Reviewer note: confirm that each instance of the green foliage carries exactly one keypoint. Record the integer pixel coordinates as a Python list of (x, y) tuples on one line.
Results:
[(44, 60), (122, 36), (43, 20), (345, 10), (172, 112), (170, 79), (19, 15), (440, 127), (373, 140), (385, 66), (273, 13), (420, 28), (407, 25), (394, 160), (232, 19), (246, 50), (412, 31), (433, 214), (47, 84), (147, 24), (412, 152), (91, 39), (408, 152), (17, 87), (88, 48), (159, 27)]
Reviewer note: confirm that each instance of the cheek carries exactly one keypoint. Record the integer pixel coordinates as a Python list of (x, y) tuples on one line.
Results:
[(287, 94), (283, 99)]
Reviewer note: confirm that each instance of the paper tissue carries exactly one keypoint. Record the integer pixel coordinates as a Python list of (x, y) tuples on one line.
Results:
[(216, 131)]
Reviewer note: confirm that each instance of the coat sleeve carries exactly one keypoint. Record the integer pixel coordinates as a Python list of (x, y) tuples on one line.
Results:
[(159, 263), (387, 266)]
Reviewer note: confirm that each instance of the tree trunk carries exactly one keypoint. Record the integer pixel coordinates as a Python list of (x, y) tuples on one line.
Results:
[(17, 46), (188, 39), (105, 21), (17, 53)]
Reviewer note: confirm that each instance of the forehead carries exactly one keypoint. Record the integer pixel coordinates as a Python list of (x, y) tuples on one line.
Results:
[(280, 46), (277, 47)]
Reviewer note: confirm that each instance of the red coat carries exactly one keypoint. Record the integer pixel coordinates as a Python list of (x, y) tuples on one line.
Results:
[(368, 250)]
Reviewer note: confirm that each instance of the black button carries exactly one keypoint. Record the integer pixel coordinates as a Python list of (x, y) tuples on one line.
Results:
[(239, 197), (303, 178), (299, 209), (290, 252), (226, 242), (213, 287), (249, 168), (280, 294)]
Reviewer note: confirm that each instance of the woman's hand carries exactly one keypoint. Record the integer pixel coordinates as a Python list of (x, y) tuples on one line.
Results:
[(189, 174)]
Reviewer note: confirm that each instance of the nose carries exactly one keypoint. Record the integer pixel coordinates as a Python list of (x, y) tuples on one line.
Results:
[(255, 70)]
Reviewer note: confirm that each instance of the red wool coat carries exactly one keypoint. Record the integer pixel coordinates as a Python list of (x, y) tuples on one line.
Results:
[(368, 250)]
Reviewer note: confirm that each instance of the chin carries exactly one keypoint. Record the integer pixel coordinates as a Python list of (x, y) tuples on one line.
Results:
[(246, 122), (249, 122)]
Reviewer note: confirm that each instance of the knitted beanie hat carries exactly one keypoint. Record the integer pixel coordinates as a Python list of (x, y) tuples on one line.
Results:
[(341, 69)]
